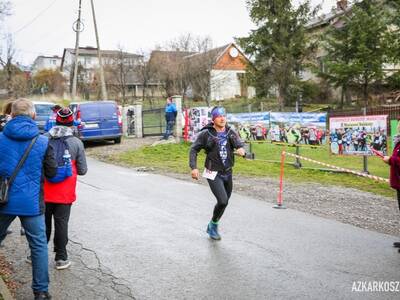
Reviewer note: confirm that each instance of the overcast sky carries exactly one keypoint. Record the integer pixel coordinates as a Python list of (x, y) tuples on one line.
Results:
[(44, 27)]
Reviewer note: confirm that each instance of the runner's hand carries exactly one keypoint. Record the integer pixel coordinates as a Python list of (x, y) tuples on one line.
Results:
[(195, 174), (386, 159), (241, 152)]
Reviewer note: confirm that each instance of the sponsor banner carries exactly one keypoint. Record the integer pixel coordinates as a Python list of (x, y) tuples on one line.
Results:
[(356, 135), (249, 118), (198, 118), (394, 131), (303, 119), (298, 128)]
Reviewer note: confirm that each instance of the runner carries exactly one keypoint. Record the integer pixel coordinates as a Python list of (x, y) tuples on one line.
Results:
[(219, 141)]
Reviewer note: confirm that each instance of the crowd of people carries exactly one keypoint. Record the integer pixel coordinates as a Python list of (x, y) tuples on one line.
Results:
[(38, 178)]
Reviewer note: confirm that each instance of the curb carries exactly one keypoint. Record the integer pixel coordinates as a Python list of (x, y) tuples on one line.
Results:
[(4, 292)]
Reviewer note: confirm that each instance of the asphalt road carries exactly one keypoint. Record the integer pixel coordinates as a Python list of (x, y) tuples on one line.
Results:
[(139, 235)]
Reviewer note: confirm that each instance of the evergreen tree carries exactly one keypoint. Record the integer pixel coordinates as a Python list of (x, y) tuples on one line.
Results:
[(358, 50), (279, 45)]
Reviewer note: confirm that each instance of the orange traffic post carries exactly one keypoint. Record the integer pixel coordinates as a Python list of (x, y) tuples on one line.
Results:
[(279, 204)]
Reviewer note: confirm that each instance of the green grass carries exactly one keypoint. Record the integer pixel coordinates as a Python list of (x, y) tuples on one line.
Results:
[(174, 158)]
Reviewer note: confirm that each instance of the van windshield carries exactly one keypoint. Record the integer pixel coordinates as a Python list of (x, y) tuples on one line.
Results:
[(43, 109)]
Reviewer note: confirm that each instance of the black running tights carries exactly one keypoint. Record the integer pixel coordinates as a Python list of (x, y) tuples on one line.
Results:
[(221, 187)]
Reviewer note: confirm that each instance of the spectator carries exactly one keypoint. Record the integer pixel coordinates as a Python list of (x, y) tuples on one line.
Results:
[(51, 121), (394, 163), (60, 196), (6, 116), (25, 198), (170, 116)]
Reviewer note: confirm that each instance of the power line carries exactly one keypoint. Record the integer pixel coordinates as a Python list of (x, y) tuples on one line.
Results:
[(36, 17)]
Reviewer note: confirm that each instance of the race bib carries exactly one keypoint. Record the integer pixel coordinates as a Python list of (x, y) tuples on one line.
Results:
[(209, 174)]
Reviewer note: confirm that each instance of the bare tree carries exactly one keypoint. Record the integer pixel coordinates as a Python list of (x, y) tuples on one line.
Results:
[(144, 72), (120, 72), (185, 64), (6, 61), (5, 9)]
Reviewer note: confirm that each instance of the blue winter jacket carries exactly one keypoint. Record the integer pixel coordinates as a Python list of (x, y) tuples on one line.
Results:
[(170, 112), (25, 195)]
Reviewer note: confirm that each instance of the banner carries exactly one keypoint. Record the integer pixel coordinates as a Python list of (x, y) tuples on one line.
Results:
[(394, 131), (250, 125), (356, 135), (298, 128), (249, 118), (198, 118)]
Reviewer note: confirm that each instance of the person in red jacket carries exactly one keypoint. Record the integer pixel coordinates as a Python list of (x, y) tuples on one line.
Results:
[(60, 196), (394, 162)]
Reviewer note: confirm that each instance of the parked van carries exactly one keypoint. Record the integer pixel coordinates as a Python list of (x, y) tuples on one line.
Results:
[(99, 120), (43, 112)]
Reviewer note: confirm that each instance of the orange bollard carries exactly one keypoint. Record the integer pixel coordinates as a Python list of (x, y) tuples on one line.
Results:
[(280, 193)]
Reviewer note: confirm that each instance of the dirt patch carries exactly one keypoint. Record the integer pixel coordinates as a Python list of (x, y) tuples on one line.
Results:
[(6, 272), (346, 205)]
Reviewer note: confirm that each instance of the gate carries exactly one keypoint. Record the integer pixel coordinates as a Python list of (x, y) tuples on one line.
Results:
[(153, 121)]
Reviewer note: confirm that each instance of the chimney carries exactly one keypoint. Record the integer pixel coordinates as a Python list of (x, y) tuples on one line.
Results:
[(341, 4)]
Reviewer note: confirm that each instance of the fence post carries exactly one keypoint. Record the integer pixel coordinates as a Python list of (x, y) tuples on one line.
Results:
[(297, 164), (138, 121), (177, 99), (365, 157), (279, 204)]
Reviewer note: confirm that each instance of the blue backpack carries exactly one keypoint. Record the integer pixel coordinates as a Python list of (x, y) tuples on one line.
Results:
[(63, 158)]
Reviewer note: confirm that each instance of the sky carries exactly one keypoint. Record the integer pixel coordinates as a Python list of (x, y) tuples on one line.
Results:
[(44, 27)]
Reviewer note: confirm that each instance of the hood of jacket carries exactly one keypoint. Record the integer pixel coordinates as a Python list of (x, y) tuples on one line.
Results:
[(21, 128), (60, 131), (211, 129)]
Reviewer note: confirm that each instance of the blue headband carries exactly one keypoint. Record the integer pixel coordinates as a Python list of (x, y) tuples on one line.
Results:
[(217, 112)]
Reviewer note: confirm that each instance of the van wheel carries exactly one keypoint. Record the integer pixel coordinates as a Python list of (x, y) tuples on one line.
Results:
[(117, 140)]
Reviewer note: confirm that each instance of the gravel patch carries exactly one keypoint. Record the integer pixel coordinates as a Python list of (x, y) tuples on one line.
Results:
[(346, 205)]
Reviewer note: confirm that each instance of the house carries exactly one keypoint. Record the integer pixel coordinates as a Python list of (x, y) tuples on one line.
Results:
[(218, 74), (46, 62), (120, 68), (227, 65), (317, 27), (89, 61)]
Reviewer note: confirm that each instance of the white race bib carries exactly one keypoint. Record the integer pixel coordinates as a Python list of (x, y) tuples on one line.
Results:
[(209, 174)]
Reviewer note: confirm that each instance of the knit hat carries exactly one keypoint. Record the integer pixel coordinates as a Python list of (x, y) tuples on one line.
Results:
[(56, 108), (65, 117), (217, 111)]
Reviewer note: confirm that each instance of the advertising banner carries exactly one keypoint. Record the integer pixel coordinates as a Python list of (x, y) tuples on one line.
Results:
[(298, 128), (394, 131), (249, 118), (198, 118), (356, 135), (250, 125)]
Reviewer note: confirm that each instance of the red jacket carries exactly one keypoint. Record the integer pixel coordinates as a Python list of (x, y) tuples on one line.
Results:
[(64, 192), (394, 163)]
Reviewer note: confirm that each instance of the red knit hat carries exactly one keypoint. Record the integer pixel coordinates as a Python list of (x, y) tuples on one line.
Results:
[(65, 117)]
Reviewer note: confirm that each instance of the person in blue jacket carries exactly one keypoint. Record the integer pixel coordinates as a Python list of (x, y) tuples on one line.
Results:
[(170, 116), (25, 199), (51, 121)]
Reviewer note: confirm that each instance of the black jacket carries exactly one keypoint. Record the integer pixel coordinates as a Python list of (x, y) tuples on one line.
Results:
[(207, 139)]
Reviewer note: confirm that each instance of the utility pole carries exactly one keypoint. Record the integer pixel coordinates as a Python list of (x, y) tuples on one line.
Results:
[(102, 81), (77, 27)]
